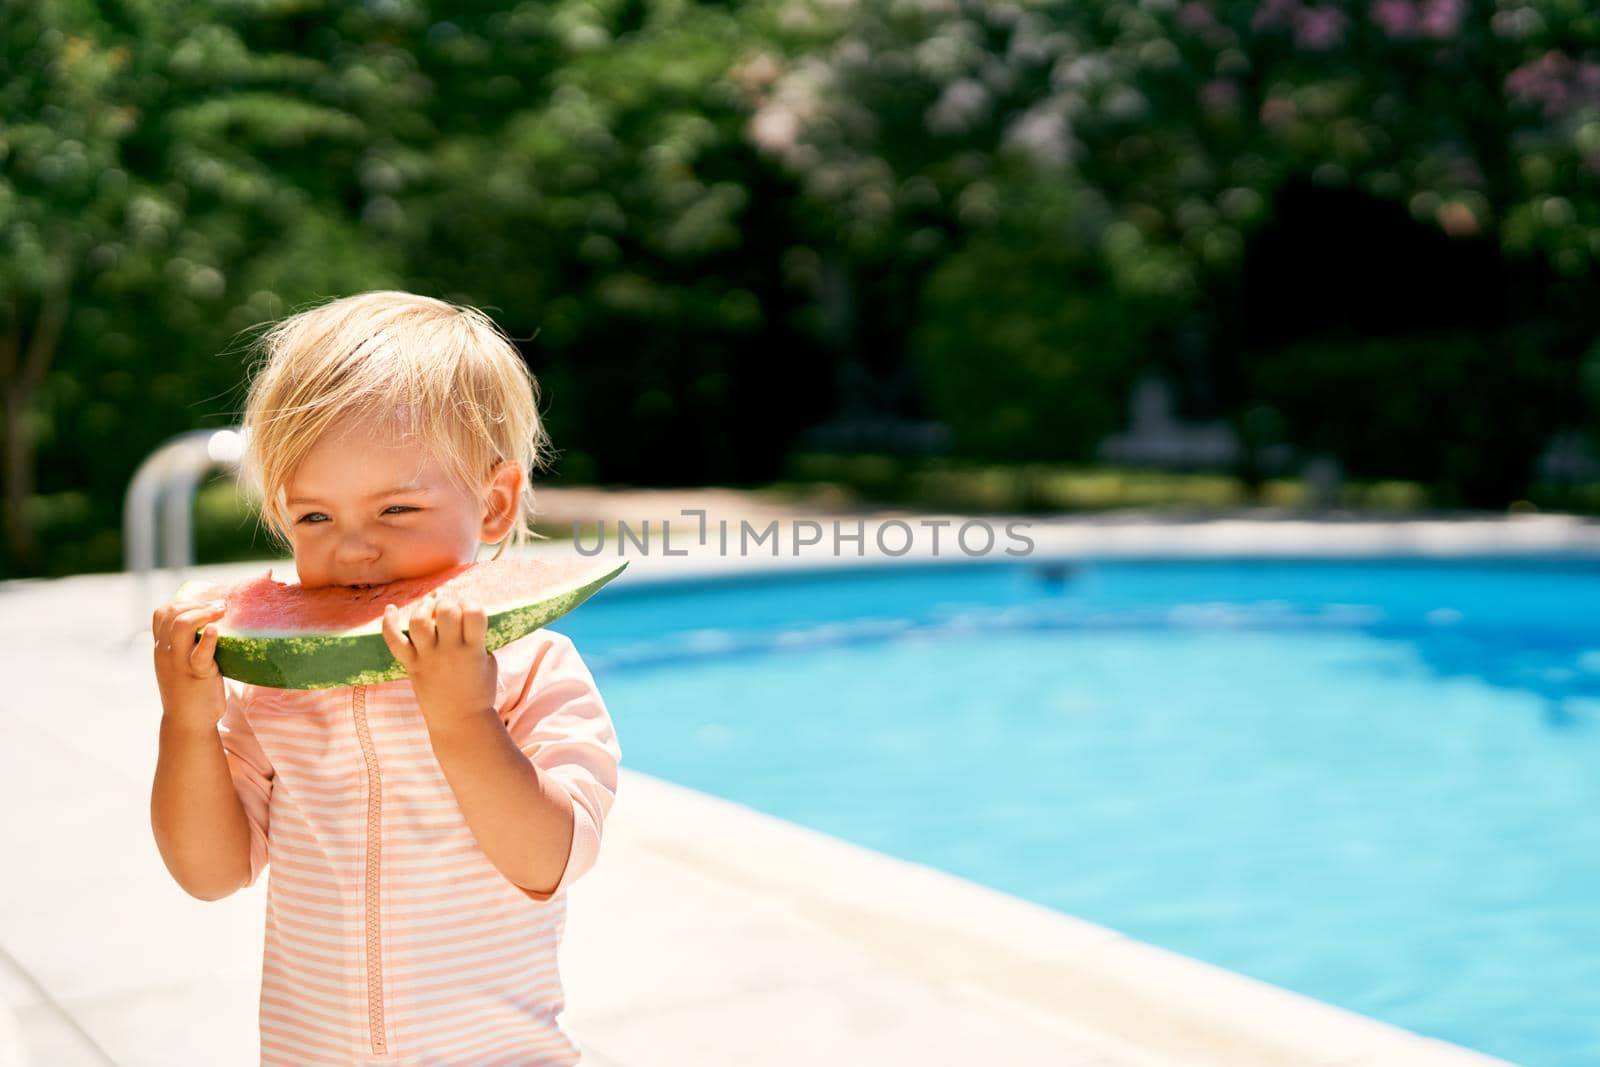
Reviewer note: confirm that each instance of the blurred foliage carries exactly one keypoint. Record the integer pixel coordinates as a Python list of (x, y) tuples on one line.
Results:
[(163, 185), (1038, 369), (1366, 230), (1377, 406), (1175, 128), (612, 211), (970, 486)]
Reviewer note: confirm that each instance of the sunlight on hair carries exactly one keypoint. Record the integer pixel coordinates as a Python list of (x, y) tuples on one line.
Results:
[(419, 368)]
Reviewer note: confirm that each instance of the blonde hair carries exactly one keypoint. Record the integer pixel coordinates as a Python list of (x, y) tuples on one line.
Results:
[(441, 373)]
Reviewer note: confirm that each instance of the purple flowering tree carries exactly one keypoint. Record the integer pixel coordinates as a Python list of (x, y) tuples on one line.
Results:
[(1025, 157)]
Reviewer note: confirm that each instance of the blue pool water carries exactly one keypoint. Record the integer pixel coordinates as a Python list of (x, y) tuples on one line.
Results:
[(1376, 782)]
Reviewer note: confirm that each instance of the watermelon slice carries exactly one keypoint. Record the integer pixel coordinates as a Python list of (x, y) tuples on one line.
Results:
[(280, 635)]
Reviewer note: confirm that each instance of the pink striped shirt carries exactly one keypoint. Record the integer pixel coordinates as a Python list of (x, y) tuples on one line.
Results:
[(391, 938)]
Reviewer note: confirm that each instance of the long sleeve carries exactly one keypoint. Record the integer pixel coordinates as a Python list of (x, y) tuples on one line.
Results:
[(250, 769), (554, 713)]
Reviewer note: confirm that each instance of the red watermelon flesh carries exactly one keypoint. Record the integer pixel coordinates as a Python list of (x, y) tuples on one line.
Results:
[(281, 634), (262, 606)]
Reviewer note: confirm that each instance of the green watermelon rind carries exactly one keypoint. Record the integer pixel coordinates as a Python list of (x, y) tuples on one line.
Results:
[(327, 661)]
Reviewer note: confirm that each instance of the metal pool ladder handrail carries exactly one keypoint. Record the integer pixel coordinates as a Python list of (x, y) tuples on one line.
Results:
[(164, 488)]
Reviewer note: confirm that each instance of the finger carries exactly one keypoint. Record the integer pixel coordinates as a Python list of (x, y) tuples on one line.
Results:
[(399, 644), (197, 607), (183, 630), (474, 625), (449, 621), (424, 631), (166, 616), (202, 657)]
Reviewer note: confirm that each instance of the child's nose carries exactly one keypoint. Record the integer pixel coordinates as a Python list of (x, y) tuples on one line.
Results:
[(356, 547)]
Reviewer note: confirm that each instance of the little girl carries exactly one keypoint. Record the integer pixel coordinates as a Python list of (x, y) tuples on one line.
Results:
[(421, 833)]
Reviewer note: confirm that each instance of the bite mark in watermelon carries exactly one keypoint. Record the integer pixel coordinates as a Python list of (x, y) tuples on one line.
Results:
[(281, 635)]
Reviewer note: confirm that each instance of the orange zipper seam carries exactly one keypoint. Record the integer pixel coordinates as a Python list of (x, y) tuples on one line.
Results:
[(375, 1028)]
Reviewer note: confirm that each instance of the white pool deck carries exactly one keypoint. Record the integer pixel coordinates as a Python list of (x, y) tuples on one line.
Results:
[(708, 933)]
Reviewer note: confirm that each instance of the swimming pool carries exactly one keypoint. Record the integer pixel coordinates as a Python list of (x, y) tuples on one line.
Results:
[(1373, 782)]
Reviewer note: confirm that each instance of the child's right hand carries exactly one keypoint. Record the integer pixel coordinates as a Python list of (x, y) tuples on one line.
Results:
[(186, 670)]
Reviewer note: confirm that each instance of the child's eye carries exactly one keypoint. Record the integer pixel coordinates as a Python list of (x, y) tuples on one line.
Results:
[(306, 518)]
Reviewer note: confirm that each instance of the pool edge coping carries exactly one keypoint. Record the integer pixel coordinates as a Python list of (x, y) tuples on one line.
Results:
[(976, 941)]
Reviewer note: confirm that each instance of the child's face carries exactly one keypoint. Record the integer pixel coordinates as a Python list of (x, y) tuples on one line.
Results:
[(348, 528)]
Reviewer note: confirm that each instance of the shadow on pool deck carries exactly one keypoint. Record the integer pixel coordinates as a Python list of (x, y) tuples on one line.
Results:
[(707, 934)]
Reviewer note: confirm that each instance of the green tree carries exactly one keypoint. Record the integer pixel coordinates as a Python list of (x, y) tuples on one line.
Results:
[(1175, 126), (157, 192), (618, 218)]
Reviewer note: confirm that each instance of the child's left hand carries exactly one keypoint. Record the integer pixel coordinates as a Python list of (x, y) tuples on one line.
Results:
[(452, 673)]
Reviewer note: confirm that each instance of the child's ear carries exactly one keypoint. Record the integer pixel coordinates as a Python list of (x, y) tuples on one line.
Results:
[(502, 501)]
